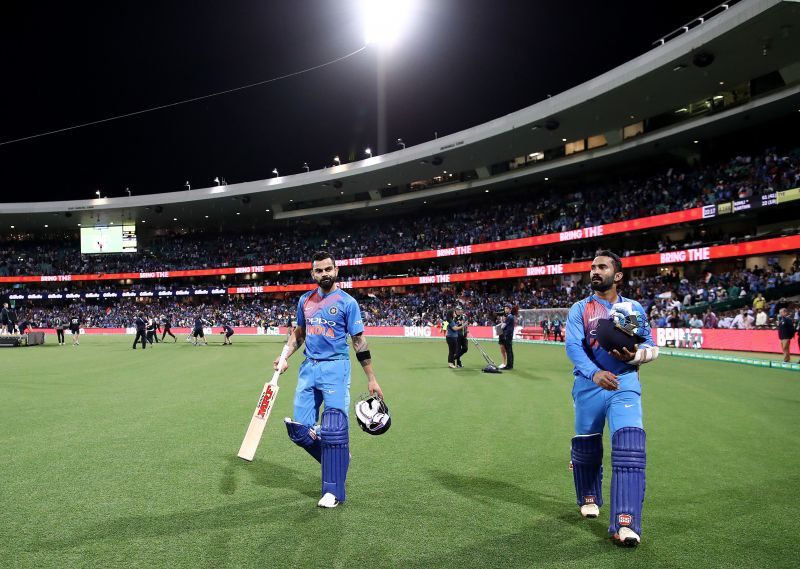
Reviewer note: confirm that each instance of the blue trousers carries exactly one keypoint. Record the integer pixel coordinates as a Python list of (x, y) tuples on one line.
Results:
[(321, 381), (593, 405)]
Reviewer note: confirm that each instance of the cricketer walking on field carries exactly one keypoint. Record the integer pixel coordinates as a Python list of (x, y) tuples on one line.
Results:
[(325, 317), (607, 387)]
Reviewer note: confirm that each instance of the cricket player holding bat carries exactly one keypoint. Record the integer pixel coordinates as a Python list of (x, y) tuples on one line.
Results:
[(325, 317), (608, 338)]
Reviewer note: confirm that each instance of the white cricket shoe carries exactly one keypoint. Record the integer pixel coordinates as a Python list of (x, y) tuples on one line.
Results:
[(329, 501), (627, 537), (590, 510), (501, 366)]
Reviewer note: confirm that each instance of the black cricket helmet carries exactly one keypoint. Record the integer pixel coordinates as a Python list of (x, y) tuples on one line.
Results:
[(621, 330), (372, 414)]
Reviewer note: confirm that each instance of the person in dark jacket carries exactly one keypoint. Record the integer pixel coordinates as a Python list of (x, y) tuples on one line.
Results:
[(463, 344), (506, 335), (453, 330), (786, 331), (141, 330), (227, 329)]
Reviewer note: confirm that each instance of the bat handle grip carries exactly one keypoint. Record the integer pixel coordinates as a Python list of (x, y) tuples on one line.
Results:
[(281, 360)]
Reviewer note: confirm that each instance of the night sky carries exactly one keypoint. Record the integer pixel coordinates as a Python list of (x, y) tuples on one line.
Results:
[(461, 63)]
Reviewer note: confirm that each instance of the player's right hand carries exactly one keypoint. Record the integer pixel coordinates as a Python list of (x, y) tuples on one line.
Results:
[(606, 380), (277, 361)]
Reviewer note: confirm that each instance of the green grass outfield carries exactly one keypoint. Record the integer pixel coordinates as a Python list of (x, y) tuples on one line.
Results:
[(111, 457)]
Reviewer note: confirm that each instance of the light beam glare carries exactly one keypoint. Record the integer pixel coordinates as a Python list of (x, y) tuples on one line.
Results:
[(386, 20)]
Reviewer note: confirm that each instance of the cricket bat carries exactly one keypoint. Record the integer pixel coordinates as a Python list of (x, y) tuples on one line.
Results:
[(261, 415)]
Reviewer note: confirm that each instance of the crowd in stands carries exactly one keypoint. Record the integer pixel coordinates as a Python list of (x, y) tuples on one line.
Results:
[(665, 296), (674, 189)]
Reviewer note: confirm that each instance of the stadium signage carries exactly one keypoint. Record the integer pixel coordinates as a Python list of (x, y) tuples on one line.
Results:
[(126, 294), (769, 199), (679, 337), (686, 256), (586, 232), (450, 251), (702, 254), (741, 205), (417, 331)]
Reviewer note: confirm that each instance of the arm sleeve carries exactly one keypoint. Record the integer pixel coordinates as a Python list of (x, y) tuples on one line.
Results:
[(574, 344), (301, 317), (355, 325)]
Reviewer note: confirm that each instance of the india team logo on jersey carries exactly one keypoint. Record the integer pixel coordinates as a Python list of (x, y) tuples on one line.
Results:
[(318, 326), (333, 310)]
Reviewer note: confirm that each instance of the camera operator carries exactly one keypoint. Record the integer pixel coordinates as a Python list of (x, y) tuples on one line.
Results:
[(506, 334)]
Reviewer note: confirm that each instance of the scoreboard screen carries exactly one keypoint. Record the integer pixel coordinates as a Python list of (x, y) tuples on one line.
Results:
[(108, 239)]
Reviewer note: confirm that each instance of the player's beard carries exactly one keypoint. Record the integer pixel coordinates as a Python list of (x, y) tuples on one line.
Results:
[(602, 285), (326, 283)]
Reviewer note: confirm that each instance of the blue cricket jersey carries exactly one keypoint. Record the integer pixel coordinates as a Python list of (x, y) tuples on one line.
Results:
[(328, 319), (583, 348)]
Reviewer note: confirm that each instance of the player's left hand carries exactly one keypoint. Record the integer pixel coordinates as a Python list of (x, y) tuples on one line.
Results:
[(374, 388), (624, 354)]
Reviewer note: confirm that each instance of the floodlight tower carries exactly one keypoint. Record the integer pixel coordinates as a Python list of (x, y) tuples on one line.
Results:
[(384, 23)]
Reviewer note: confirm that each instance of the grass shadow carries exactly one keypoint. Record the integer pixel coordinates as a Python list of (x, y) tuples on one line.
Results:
[(489, 490), (268, 474)]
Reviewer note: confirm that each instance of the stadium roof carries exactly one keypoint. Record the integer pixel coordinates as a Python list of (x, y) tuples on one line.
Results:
[(736, 46)]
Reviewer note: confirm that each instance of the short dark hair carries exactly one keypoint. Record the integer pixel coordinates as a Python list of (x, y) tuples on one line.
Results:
[(616, 261), (321, 256)]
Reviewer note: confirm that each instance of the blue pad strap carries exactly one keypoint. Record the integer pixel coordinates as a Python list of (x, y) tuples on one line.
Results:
[(305, 437), (335, 452), (628, 460), (587, 468)]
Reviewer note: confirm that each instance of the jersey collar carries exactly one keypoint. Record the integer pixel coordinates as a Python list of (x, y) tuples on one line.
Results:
[(323, 295), (606, 302)]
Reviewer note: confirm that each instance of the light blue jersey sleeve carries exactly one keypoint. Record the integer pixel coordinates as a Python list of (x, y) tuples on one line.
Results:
[(355, 325), (301, 317), (575, 340), (646, 331)]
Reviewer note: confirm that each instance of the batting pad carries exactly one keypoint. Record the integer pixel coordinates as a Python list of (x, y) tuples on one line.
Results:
[(587, 468), (305, 437), (627, 482), (335, 452)]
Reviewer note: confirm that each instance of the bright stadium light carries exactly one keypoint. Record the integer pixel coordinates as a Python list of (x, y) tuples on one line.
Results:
[(385, 20)]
